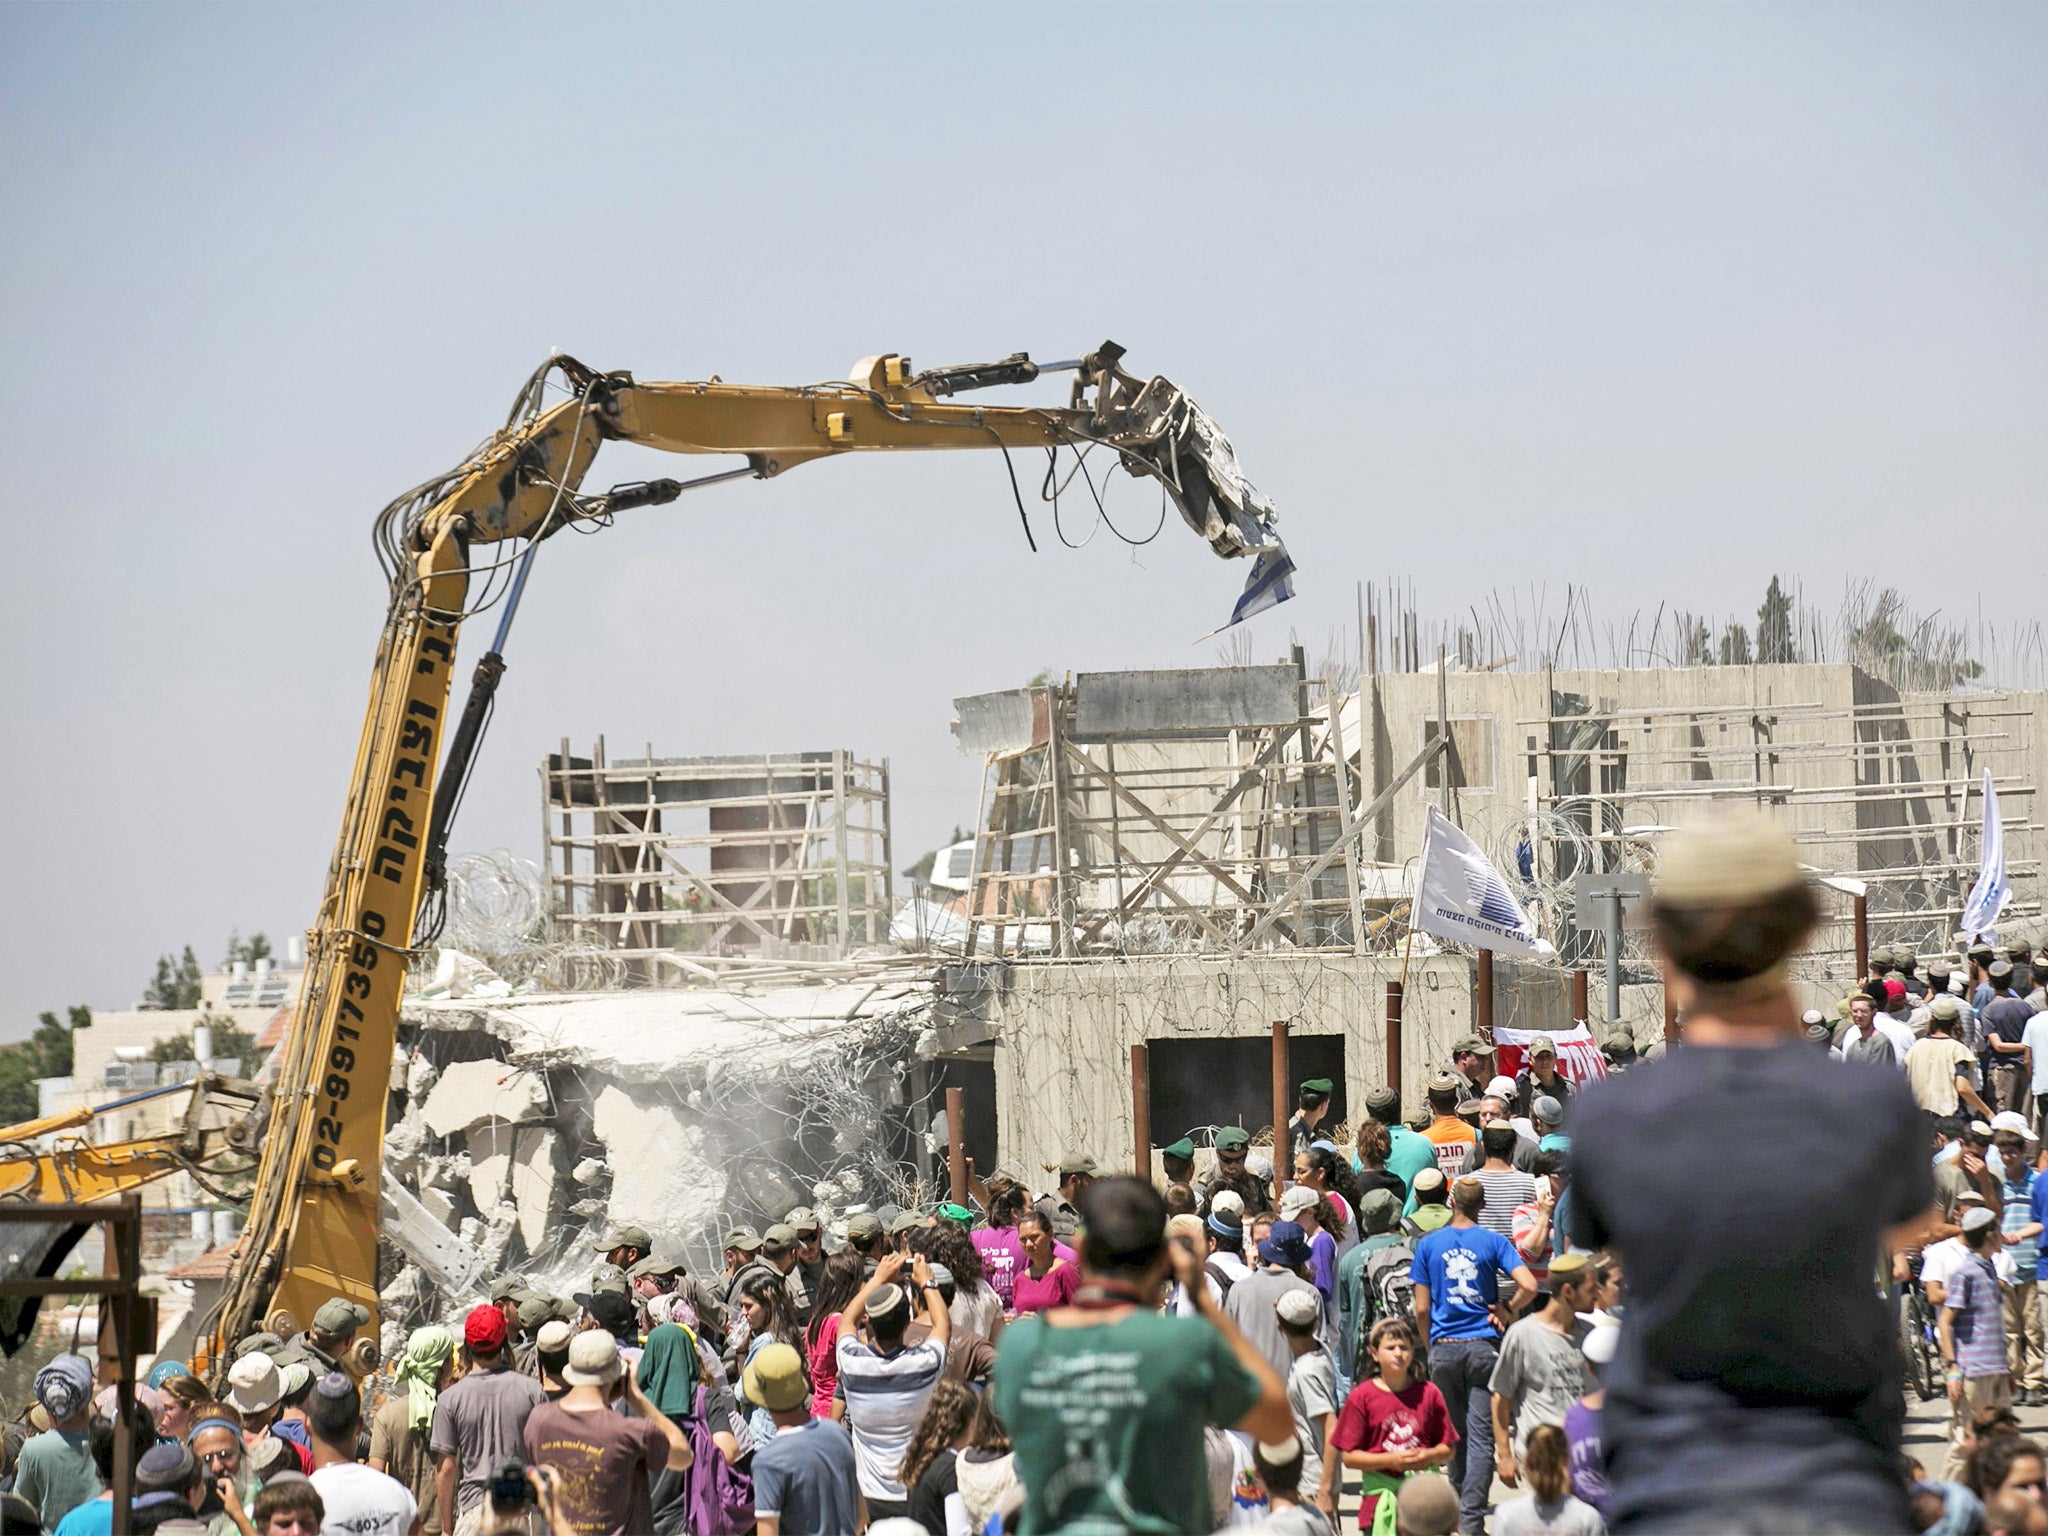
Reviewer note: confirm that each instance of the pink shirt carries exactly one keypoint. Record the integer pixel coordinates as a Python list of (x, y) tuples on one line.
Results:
[(1002, 1260), (825, 1367), (1054, 1289)]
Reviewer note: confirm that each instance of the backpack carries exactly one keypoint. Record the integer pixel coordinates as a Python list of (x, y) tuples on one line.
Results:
[(1388, 1290), (1223, 1281)]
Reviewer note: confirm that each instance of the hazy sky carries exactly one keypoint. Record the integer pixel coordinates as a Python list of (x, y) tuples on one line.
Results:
[(1657, 299)]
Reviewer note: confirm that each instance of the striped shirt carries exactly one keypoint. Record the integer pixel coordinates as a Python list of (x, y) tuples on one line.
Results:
[(1506, 1188), (1980, 1317), (885, 1397)]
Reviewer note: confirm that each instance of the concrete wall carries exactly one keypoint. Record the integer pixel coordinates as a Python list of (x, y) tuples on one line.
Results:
[(1065, 1031), (1676, 767)]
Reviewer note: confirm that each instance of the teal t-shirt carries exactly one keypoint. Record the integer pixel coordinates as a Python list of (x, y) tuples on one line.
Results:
[(56, 1474), (1409, 1155), (1107, 1421)]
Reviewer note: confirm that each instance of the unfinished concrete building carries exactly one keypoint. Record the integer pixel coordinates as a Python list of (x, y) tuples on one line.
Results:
[(1179, 859), (782, 854)]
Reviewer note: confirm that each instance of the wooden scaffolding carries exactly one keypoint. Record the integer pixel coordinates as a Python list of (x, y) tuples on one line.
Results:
[(784, 855), (1167, 812)]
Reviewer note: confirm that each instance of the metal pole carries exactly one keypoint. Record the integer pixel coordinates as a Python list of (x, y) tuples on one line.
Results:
[(1482, 997), (1580, 1008), (1443, 731), (1613, 955), (1283, 1151), (956, 1143), (1394, 990), (1141, 1110), (1862, 937), (124, 1258)]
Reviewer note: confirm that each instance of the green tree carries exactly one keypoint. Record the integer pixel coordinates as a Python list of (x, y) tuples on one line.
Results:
[(1774, 626), (1735, 651), (46, 1053), (250, 950), (175, 985)]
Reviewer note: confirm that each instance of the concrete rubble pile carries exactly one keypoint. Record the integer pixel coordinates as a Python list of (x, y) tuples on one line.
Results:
[(529, 1123)]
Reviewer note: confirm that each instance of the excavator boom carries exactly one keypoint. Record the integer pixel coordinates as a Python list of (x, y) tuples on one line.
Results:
[(313, 1219)]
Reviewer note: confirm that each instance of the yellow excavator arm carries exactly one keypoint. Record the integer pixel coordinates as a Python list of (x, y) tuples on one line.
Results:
[(41, 1161), (313, 1218)]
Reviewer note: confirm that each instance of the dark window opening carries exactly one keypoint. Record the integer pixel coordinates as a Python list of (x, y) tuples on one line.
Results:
[(1202, 1083)]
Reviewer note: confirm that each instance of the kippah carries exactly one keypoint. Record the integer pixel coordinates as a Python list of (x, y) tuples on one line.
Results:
[(1741, 857)]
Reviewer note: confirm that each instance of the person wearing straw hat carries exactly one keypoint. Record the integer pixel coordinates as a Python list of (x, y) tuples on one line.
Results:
[(1757, 1381), (607, 1461)]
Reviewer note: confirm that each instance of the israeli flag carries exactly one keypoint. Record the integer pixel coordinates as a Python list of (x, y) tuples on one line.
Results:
[(1460, 895), (1992, 891), (1270, 584)]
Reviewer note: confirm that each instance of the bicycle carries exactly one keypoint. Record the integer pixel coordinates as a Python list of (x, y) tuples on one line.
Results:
[(1921, 1345)]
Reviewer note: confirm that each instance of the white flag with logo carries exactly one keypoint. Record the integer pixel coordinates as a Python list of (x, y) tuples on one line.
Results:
[(1460, 895), (1992, 891)]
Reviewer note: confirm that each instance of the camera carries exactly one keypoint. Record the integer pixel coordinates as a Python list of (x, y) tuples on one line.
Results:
[(508, 1487)]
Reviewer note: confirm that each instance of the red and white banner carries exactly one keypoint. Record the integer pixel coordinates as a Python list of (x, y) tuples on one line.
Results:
[(1578, 1057)]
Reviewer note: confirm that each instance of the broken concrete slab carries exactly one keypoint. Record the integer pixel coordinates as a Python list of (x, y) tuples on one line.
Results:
[(474, 1093), (451, 1263), (533, 1184), (438, 1203), (490, 1165), (661, 1177)]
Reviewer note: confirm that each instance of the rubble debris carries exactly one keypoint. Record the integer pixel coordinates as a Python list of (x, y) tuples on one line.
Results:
[(471, 1093), (682, 1110), (661, 1178), (533, 1184)]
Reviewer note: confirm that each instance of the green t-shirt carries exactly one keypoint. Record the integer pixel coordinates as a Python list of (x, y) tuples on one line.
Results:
[(1107, 1421), (56, 1474)]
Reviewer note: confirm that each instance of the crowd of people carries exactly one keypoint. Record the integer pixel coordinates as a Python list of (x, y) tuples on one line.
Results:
[(1531, 1283)]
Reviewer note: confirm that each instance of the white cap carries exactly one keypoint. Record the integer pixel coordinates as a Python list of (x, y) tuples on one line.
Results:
[(1601, 1340), (1299, 1308), (593, 1359), (1280, 1452), (1227, 1200), (253, 1384), (1259, 1163), (1299, 1197), (2006, 1120), (1501, 1088), (1977, 1219), (1813, 1016)]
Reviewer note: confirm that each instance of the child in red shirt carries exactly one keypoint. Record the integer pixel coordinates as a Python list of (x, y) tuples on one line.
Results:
[(1391, 1426)]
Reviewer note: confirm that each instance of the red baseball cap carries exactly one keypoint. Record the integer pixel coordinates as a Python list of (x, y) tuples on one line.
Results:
[(1894, 989), (484, 1329)]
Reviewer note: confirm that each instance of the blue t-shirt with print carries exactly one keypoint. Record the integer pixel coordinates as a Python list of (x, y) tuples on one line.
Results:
[(2019, 1210), (1460, 1266)]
